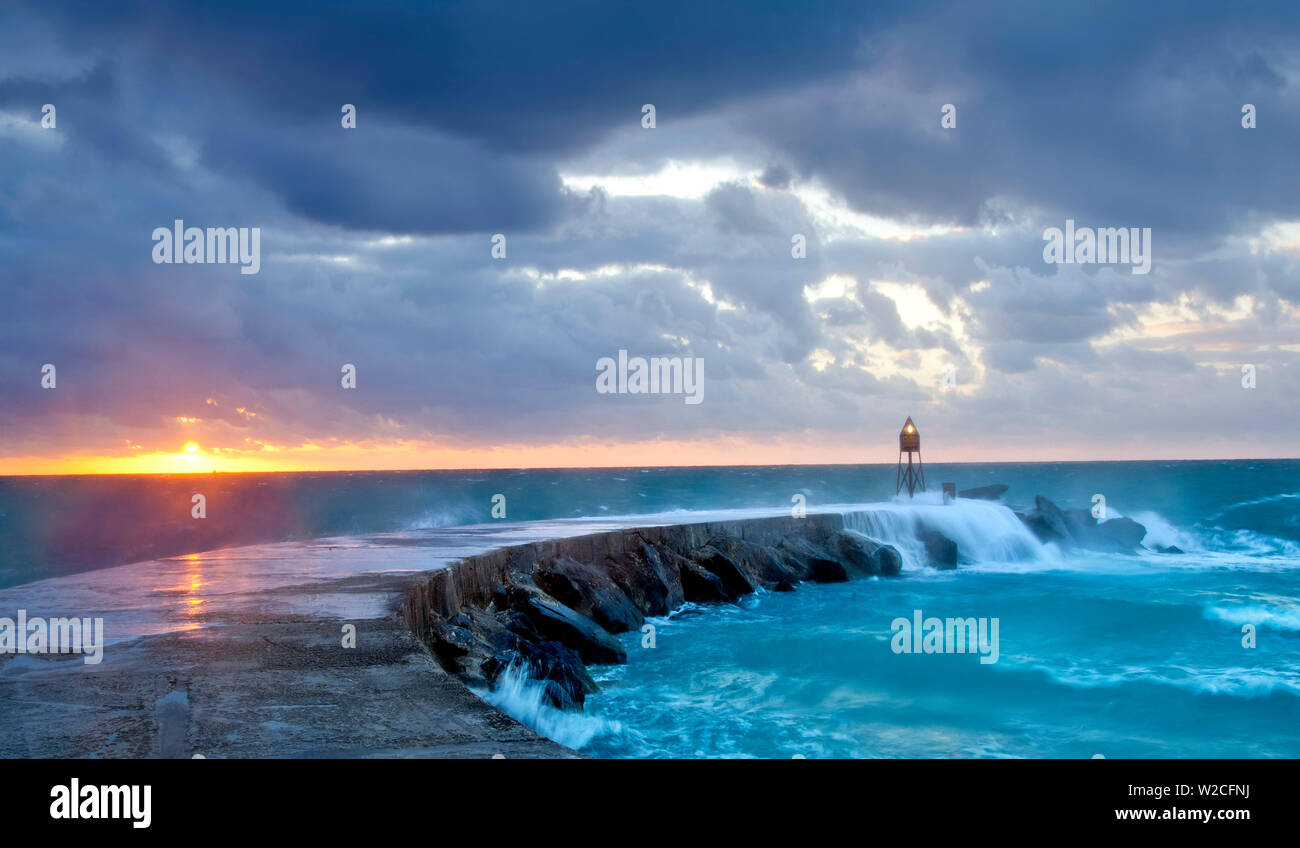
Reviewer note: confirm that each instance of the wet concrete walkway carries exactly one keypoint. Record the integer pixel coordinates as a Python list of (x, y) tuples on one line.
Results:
[(244, 653)]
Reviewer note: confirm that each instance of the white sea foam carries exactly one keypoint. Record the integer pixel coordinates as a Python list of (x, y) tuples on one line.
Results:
[(1161, 533), (1240, 682), (522, 698), (434, 519), (1286, 618), (1256, 502)]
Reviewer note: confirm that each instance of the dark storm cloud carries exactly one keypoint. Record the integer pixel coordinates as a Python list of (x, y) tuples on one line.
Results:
[(516, 76), (394, 181), (1120, 112)]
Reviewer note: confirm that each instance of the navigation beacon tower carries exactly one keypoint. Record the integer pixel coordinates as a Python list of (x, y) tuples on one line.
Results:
[(909, 442)]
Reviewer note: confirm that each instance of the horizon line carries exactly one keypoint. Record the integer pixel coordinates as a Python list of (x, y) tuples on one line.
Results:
[(640, 467)]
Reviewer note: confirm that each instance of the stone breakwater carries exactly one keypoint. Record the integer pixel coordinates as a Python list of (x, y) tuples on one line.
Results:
[(552, 608)]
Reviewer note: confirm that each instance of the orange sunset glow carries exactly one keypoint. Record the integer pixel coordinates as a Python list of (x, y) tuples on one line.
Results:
[(410, 456)]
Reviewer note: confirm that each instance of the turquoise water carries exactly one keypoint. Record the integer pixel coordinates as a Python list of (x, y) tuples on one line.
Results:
[(1111, 655), (1123, 661)]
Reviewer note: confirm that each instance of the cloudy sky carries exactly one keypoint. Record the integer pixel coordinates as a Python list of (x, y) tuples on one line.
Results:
[(924, 243)]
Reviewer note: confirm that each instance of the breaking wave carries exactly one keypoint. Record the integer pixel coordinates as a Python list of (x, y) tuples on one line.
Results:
[(522, 698), (984, 531)]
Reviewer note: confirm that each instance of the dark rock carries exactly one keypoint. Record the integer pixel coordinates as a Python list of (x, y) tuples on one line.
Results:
[(1119, 535), (589, 590), (783, 586), (700, 585), (450, 642), (518, 593), (1169, 549), (652, 582), (939, 549), (727, 570), (983, 493), (855, 552), (463, 649), (566, 680), (864, 556), (1047, 521), (1077, 528), (808, 561), (761, 565), (798, 554), (828, 571), (521, 625), (555, 621), (890, 560)]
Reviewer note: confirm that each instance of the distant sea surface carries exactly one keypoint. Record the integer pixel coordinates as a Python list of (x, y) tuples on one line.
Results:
[(1119, 655), (51, 526)]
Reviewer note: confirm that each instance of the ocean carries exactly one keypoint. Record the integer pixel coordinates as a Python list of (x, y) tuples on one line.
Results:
[(1144, 655)]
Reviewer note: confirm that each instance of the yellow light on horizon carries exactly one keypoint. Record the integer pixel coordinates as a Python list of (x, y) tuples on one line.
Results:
[(423, 456), (191, 447)]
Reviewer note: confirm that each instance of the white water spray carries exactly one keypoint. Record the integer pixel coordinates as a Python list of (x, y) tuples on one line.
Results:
[(984, 531), (522, 698)]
